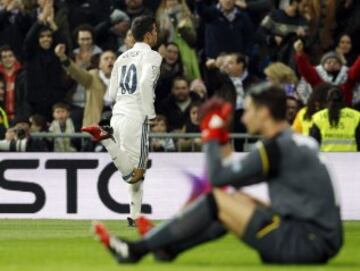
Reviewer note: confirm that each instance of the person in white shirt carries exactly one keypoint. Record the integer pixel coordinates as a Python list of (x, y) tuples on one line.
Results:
[(132, 84)]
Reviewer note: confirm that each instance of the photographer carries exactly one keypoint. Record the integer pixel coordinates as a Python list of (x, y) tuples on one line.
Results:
[(18, 139)]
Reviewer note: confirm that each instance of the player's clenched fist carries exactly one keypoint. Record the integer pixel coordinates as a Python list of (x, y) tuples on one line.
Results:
[(215, 116)]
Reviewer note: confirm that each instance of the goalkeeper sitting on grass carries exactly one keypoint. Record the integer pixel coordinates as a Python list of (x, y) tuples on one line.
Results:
[(302, 223)]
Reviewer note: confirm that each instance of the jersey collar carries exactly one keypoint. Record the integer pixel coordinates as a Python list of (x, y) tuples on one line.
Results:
[(142, 46)]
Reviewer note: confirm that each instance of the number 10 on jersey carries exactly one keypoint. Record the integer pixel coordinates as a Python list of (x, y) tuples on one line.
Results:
[(128, 79)]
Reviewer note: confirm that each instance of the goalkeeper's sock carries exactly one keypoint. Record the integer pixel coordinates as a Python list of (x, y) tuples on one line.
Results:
[(119, 157), (136, 195), (214, 231), (192, 220)]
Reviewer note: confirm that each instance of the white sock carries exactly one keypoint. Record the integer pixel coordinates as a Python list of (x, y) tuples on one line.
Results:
[(118, 156), (136, 194)]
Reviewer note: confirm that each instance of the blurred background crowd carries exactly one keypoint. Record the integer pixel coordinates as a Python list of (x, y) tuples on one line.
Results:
[(56, 58)]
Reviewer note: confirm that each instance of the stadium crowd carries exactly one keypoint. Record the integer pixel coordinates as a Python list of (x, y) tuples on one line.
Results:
[(56, 57)]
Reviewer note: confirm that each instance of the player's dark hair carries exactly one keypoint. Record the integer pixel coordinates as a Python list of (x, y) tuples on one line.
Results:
[(141, 26), (335, 104), (271, 96), (317, 100)]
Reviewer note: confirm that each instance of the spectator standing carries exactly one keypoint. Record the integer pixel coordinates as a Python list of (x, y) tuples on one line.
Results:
[(85, 38), (87, 12), (331, 70), (110, 34), (45, 84), (62, 124), (84, 57), (60, 14), (136, 8), (348, 20), (255, 9), (227, 28), (280, 28), (14, 24), (321, 16), (177, 24), (171, 67)]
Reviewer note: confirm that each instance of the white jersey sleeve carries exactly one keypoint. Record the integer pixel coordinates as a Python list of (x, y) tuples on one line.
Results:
[(149, 77)]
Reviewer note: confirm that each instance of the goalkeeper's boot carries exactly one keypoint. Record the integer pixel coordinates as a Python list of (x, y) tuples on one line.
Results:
[(121, 250), (97, 132), (165, 255)]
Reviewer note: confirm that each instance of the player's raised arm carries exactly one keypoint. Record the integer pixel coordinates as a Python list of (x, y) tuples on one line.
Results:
[(216, 115), (148, 81)]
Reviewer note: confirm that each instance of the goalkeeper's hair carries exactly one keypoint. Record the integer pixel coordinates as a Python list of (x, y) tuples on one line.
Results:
[(141, 26), (271, 96)]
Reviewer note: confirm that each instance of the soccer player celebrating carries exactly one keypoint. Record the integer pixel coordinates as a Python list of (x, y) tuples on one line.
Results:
[(300, 225), (132, 83)]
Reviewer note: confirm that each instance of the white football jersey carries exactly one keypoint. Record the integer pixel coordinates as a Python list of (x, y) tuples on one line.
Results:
[(133, 81)]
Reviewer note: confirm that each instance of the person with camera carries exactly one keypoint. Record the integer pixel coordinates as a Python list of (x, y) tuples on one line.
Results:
[(18, 138)]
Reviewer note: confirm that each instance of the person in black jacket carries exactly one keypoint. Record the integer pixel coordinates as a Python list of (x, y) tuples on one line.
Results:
[(14, 24), (280, 28), (44, 73), (227, 28), (171, 67), (111, 33)]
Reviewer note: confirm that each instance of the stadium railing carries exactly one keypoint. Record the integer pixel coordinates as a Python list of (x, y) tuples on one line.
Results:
[(246, 139)]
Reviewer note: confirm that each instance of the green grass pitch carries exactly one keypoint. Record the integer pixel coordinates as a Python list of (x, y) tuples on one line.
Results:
[(51, 245)]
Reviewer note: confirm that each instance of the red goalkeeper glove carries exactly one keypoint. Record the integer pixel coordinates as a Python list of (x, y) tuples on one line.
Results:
[(215, 116)]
